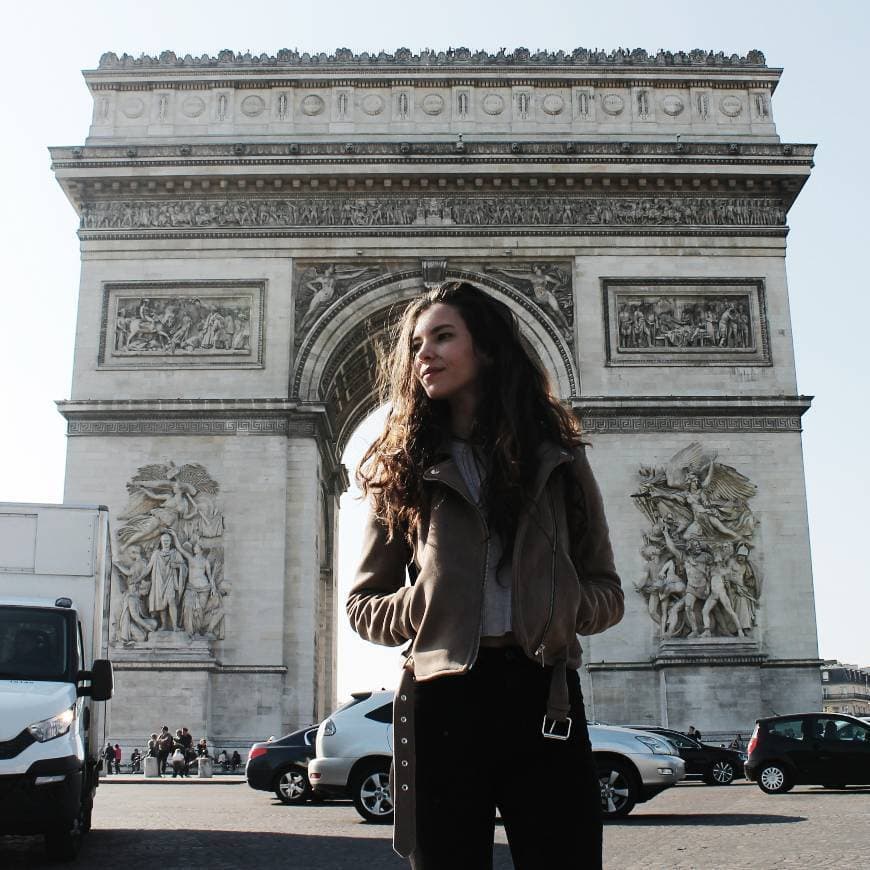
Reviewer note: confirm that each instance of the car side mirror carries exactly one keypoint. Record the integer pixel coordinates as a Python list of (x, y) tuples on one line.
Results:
[(102, 678)]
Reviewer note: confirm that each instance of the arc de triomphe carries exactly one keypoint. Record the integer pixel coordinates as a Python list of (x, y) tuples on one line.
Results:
[(250, 227)]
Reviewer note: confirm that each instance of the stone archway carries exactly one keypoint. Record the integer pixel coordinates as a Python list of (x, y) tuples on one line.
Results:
[(337, 359)]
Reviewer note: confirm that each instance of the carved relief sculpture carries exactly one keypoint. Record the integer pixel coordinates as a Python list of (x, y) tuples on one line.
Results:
[(550, 287), (398, 211), (317, 289), (698, 579), (168, 577), (685, 322), (181, 324)]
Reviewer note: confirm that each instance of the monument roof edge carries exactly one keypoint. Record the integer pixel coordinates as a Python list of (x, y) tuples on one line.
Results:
[(461, 57)]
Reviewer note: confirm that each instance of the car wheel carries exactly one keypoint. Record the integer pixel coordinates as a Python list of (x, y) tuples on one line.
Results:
[(774, 779), (720, 773), (618, 789), (371, 793), (292, 786)]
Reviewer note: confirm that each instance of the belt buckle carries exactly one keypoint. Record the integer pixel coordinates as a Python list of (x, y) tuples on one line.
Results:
[(552, 733)]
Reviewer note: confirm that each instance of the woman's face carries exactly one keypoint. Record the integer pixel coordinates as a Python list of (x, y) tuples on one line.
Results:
[(445, 361)]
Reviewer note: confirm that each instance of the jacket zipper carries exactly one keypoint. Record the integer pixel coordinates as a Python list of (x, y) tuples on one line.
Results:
[(542, 646)]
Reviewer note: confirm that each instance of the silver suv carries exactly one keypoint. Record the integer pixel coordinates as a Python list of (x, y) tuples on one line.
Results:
[(354, 750)]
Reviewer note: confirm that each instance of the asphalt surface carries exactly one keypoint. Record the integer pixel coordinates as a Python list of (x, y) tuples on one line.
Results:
[(222, 824)]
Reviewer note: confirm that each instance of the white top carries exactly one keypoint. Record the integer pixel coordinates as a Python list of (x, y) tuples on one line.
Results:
[(496, 615)]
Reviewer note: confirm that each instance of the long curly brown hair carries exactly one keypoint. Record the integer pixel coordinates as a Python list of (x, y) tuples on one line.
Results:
[(516, 412)]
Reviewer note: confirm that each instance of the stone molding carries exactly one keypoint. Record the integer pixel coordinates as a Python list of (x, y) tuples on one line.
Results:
[(633, 415), (195, 417), (300, 153), (459, 57)]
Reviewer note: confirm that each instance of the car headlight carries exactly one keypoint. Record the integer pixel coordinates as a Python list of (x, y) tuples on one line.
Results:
[(48, 729), (328, 728), (659, 747)]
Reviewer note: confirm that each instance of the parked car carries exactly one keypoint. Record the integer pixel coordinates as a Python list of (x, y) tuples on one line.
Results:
[(281, 766), (355, 748), (714, 764), (827, 749)]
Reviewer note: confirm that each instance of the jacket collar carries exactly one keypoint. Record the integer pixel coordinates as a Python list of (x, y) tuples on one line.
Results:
[(549, 455)]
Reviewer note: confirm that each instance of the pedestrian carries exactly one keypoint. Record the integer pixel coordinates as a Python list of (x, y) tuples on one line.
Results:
[(135, 761), (109, 757), (481, 491), (164, 748), (737, 742), (186, 740), (117, 758), (236, 759), (694, 733), (152, 746), (179, 763)]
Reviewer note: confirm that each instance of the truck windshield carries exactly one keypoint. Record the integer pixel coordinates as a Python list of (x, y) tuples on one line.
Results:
[(34, 644)]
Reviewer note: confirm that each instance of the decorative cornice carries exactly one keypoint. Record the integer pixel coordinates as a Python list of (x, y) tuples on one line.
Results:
[(453, 58), (242, 153), (138, 417), (631, 415)]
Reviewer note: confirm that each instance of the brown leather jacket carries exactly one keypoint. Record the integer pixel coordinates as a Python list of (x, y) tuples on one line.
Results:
[(564, 583)]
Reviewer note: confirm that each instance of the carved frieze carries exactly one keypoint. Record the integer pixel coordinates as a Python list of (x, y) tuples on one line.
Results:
[(407, 211), (182, 324), (168, 580), (699, 577), (685, 322)]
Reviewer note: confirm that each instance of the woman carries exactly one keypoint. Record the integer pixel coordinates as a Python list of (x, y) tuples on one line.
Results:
[(480, 488)]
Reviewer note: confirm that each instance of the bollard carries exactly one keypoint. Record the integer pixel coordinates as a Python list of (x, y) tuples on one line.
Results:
[(205, 768), (151, 768)]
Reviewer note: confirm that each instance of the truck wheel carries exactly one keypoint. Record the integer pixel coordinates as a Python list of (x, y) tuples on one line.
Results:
[(63, 844), (371, 793), (618, 789)]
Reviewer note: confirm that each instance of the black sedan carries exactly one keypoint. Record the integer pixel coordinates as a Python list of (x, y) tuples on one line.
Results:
[(281, 766), (714, 764)]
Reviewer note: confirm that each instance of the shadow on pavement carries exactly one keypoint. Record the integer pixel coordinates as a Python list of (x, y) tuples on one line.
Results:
[(719, 820), (217, 850)]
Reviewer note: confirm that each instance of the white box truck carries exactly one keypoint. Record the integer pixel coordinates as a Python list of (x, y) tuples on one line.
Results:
[(55, 564)]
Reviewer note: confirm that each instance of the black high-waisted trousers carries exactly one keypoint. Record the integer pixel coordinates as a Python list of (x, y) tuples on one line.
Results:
[(479, 747)]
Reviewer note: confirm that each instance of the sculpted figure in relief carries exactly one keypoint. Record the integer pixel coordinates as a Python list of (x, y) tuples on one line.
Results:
[(323, 287), (545, 282), (169, 575), (698, 579)]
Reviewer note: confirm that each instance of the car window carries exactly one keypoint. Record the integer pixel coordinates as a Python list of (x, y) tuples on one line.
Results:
[(790, 729), (833, 728), (681, 740), (381, 714)]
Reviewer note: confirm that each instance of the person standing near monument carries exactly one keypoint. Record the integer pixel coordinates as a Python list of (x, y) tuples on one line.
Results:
[(480, 489), (164, 748)]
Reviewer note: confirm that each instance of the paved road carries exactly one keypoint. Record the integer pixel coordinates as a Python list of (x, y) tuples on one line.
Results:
[(223, 825)]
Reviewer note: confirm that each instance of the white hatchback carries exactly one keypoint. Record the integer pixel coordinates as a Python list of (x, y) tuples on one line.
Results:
[(355, 750)]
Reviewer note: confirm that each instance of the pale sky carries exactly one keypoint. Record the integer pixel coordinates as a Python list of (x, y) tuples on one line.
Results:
[(821, 99)]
